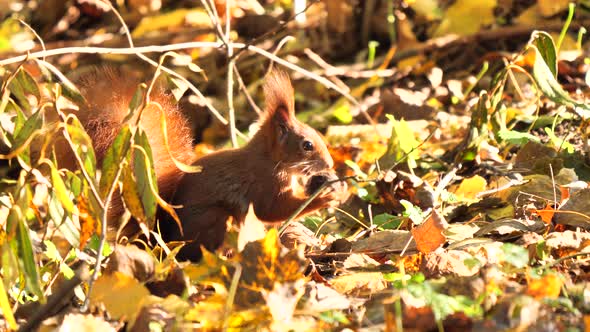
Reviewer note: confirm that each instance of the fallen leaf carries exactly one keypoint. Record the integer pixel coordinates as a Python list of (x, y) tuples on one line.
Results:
[(552, 7), (471, 187), (546, 214), (548, 286), (385, 241), (132, 261), (252, 230), (465, 17), (80, 322), (370, 282), (283, 298), (121, 295), (576, 211), (296, 234), (448, 262), (429, 235), (322, 298)]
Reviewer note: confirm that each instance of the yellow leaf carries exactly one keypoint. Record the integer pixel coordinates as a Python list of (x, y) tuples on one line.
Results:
[(271, 245), (552, 7), (429, 9), (359, 282), (176, 18), (466, 17), (6, 309), (121, 295), (469, 188)]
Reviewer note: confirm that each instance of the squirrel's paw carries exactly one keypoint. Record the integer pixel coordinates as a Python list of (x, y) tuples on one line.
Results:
[(337, 190)]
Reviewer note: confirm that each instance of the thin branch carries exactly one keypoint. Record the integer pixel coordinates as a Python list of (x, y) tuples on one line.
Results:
[(181, 46), (273, 31)]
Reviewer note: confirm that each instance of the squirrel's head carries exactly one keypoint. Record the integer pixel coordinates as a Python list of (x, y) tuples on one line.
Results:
[(293, 145)]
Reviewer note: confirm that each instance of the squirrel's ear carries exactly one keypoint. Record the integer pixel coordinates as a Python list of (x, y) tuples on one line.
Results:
[(278, 93)]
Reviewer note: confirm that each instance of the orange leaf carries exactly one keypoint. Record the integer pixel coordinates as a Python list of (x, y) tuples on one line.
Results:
[(88, 224), (565, 194), (429, 235), (547, 286), (546, 214)]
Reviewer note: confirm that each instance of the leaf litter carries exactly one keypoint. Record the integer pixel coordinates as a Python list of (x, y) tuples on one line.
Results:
[(469, 209)]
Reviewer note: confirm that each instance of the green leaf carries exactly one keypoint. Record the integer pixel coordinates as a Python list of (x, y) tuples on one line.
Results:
[(83, 145), (546, 48), (546, 82), (113, 158), (68, 89), (131, 195), (23, 85), (413, 212), (33, 123), (386, 221), (515, 255), (30, 271), (342, 112), (94, 243), (558, 142), (63, 223), (444, 305), (516, 137), (137, 101), (145, 175), (402, 145), (51, 251)]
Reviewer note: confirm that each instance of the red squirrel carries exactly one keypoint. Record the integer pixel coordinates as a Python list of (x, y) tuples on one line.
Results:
[(282, 152)]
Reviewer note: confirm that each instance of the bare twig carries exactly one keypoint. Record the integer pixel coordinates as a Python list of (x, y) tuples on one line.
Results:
[(182, 46), (272, 32), (55, 302)]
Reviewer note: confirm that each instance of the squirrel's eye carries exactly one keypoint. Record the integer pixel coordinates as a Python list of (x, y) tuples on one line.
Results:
[(307, 145)]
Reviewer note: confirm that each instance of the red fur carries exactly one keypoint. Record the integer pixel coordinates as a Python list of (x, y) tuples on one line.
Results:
[(108, 94), (259, 173)]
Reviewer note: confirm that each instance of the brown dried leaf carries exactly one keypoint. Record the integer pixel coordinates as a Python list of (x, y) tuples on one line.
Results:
[(444, 262), (385, 241), (576, 211), (132, 261), (296, 234), (429, 235)]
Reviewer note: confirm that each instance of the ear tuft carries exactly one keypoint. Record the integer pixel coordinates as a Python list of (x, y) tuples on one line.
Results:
[(278, 93)]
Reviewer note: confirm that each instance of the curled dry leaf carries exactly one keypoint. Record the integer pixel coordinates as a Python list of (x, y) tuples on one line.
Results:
[(296, 234), (132, 261)]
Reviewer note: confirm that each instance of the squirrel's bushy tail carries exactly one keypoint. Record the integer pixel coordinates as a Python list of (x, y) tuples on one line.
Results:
[(108, 93)]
